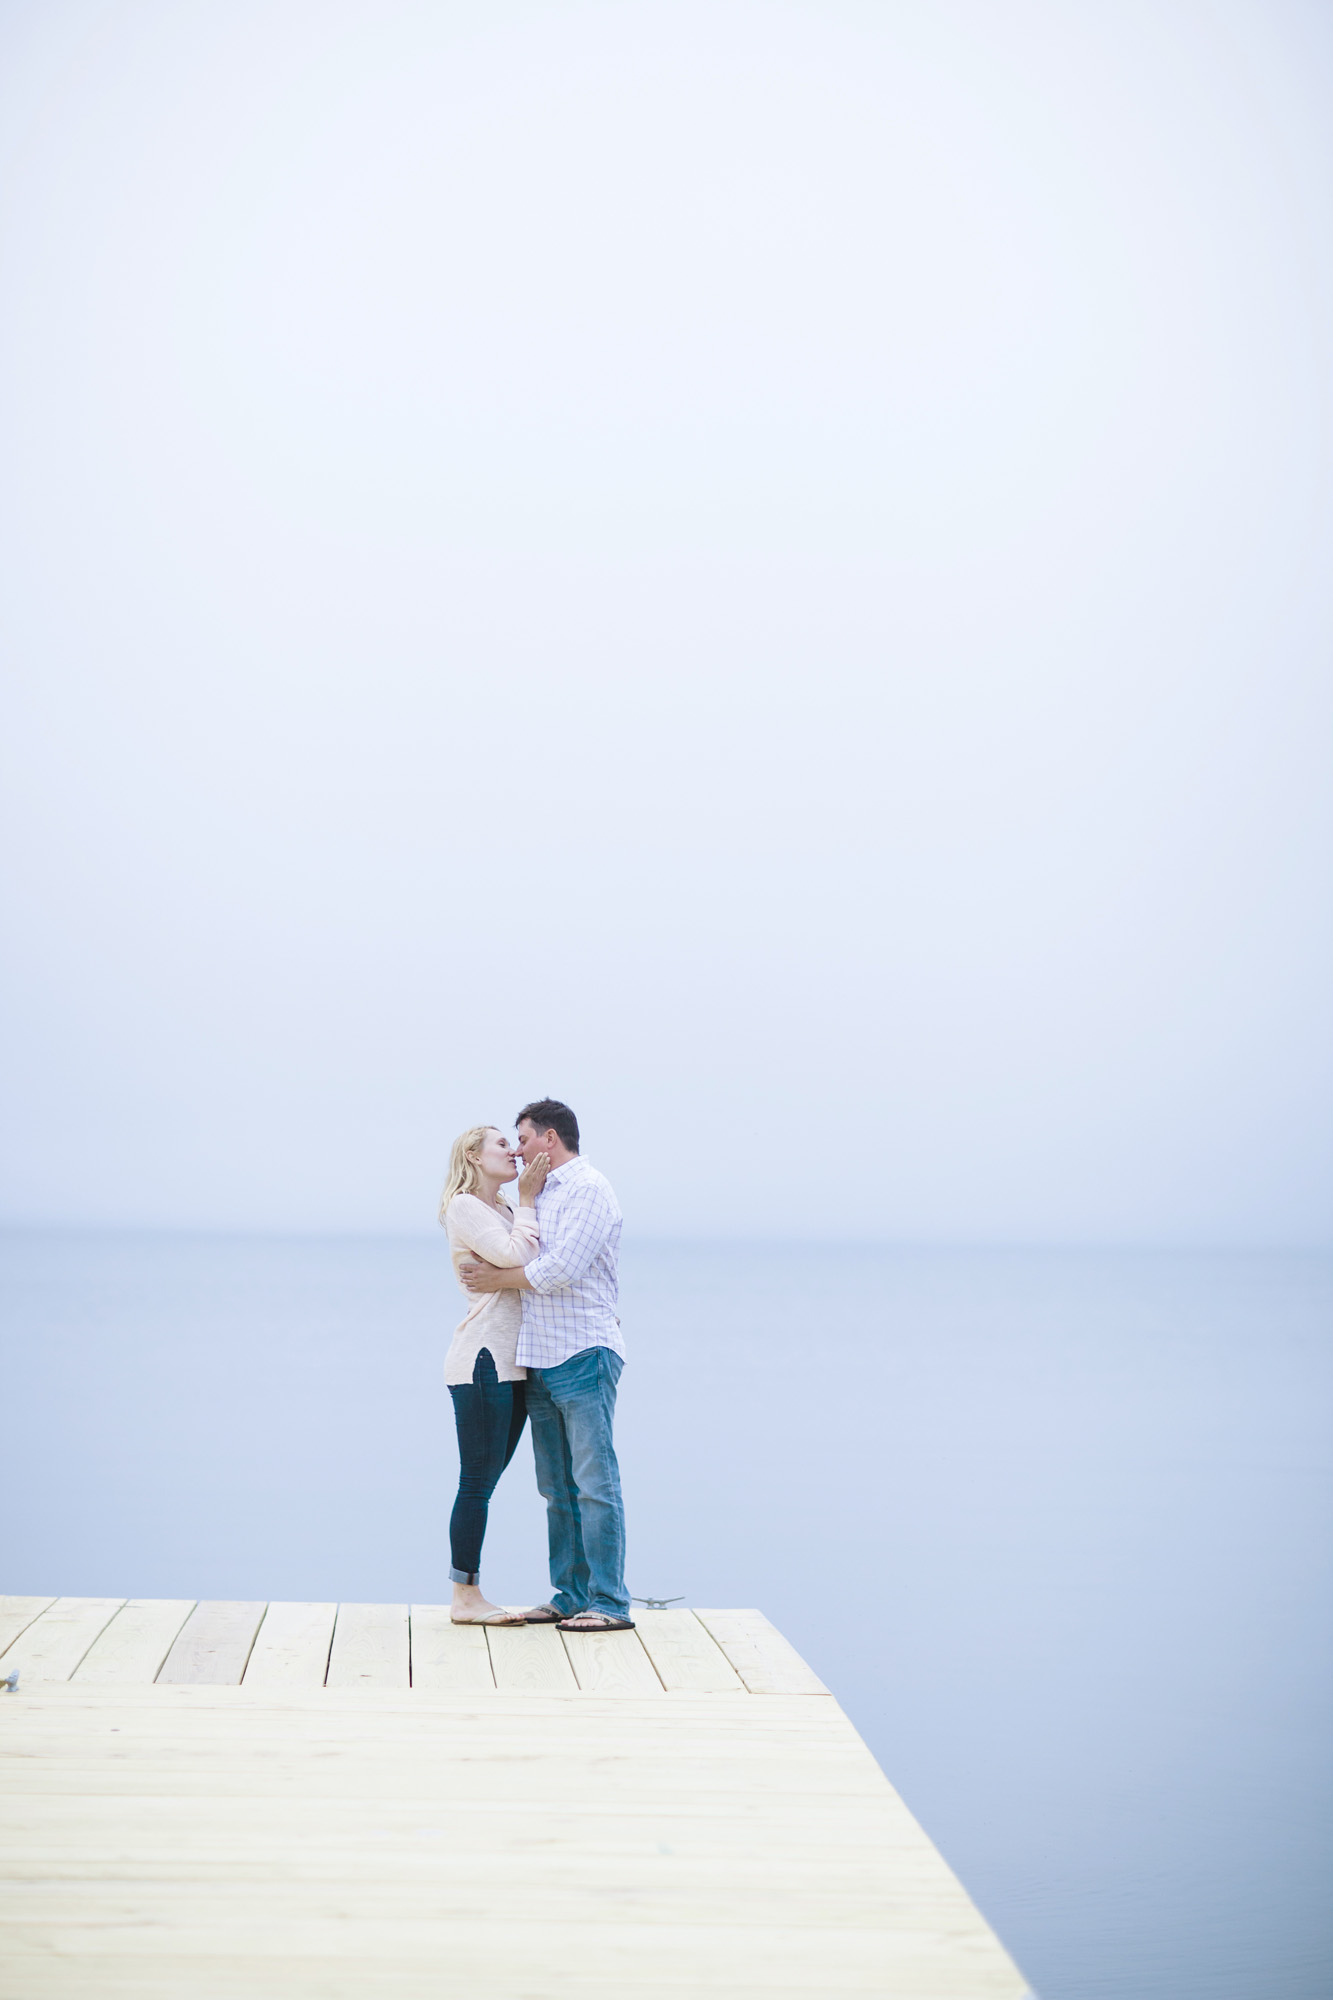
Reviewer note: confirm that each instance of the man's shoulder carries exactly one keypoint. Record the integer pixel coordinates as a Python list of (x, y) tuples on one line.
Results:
[(592, 1178)]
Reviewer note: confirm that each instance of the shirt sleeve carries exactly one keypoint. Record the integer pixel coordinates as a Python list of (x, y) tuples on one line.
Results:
[(570, 1247), (473, 1226)]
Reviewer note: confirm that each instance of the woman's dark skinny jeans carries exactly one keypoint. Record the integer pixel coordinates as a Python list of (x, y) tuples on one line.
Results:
[(490, 1416)]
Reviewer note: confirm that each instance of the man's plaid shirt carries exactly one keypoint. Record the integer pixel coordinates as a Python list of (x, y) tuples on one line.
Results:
[(575, 1292)]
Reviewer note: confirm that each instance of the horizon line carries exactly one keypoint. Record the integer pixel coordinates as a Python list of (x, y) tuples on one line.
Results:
[(1183, 1244)]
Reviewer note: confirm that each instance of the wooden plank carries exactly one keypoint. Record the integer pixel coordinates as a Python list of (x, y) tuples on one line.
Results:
[(448, 1656), (16, 1614), (687, 1657), (213, 1645), (370, 1647), (134, 1645), (50, 1648), (531, 1658), (611, 1663), (321, 1845), (765, 1661), (292, 1646)]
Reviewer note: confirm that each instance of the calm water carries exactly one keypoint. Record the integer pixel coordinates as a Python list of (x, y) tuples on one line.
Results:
[(1056, 1528)]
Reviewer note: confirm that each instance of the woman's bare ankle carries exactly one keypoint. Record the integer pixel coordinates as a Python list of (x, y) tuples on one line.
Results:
[(471, 1601)]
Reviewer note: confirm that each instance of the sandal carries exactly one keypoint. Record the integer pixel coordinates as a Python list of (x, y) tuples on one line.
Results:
[(596, 1621), (544, 1614), (491, 1618)]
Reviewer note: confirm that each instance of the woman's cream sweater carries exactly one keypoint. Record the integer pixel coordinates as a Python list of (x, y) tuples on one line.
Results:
[(475, 1229)]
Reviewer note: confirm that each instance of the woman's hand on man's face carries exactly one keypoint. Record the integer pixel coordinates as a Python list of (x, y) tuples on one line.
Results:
[(531, 1179)]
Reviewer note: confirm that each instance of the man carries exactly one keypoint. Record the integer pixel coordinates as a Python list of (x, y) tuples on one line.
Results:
[(571, 1347)]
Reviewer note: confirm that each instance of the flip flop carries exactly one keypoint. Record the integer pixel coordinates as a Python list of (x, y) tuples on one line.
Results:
[(492, 1618), (544, 1614), (596, 1621)]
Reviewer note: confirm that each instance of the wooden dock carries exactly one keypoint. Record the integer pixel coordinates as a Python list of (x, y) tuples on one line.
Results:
[(240, 1801)]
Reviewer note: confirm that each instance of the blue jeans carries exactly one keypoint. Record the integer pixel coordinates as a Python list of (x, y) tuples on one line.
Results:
[(489, 1417), (570, 1408)]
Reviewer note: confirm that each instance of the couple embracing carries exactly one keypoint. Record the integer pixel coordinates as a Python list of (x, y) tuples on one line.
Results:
[(540, 1343)]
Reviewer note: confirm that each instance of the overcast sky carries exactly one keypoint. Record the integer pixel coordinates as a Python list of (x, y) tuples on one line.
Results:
[(763, 568)]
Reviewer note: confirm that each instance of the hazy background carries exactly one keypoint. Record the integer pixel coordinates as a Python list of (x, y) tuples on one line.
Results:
[(762, 568), (765, 569)]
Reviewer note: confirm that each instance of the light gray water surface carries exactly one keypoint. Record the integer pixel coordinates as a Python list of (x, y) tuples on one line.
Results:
[(1055, 1527)]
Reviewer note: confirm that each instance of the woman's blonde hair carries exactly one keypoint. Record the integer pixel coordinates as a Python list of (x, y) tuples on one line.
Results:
[(463, 1177)]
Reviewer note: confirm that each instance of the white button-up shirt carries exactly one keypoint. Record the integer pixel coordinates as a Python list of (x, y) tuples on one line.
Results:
[(575, 1291)]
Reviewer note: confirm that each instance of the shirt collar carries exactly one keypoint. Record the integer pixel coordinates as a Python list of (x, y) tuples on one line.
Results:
[(563, 1171)]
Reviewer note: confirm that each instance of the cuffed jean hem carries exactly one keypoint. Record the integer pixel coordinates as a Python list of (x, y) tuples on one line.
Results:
[(465, 1576)]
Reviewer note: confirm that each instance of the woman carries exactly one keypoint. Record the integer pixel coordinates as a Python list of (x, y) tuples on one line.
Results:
[(483, 1378)]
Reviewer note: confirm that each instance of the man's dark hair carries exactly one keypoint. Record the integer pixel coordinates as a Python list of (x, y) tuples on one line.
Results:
[(548, 1114)]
